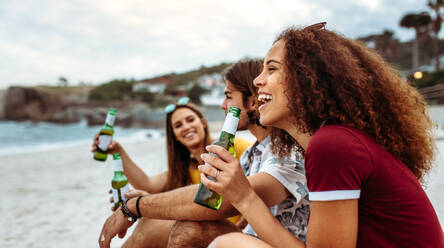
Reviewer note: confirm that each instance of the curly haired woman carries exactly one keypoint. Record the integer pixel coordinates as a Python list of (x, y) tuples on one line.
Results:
[(367, 142)]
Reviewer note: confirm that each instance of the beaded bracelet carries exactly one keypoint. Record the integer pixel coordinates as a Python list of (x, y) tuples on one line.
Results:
[(127, 213)]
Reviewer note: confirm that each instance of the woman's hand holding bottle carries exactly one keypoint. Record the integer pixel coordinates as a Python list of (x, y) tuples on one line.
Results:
[(113, 147), (230, 181)]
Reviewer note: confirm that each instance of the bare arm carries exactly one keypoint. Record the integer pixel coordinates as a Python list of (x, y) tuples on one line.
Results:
[(333, 224), (178, 204), (136, 176)]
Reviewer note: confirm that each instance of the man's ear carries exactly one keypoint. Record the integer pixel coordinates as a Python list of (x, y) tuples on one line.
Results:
[(252, 103)]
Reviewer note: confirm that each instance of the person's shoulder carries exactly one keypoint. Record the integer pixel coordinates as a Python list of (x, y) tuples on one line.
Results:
[(341, 130), (334, 135), (340, 145)]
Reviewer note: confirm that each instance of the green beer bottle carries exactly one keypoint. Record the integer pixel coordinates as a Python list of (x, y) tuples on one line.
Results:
[(205, 196), (105, 136), (119, 183)]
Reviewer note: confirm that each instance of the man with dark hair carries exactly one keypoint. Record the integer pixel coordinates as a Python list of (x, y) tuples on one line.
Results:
[(280, 184)]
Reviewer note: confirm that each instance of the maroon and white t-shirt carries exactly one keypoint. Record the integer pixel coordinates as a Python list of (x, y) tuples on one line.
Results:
[(394, 211)]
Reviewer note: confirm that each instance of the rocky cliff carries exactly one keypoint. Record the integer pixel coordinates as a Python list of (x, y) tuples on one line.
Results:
[(42, 104), (30, 104)]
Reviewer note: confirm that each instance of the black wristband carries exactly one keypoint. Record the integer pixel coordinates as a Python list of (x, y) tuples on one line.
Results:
[(127, 212), (137, 206)]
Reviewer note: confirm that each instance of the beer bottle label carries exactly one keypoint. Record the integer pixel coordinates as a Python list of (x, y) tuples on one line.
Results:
[(230, 123), (123, 191), (115, 196), (104, 141), (110, 119)]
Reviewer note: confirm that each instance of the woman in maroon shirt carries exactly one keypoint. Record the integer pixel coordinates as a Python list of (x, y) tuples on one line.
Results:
[(367, 143)]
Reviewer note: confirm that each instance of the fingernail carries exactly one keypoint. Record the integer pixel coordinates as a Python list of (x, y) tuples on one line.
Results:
[(199, 166), (202, 156), (208, 146)]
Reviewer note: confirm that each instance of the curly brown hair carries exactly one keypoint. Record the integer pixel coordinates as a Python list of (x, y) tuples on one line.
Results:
[(334, 80)]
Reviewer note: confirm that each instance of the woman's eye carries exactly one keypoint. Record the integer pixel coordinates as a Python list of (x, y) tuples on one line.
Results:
[(271, 69), (191, 119), (177, 126)]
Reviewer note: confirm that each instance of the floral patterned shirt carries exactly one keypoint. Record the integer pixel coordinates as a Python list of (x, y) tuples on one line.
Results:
[(293, 212)]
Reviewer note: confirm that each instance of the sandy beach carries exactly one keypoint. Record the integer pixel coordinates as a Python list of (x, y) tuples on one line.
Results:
[(59, 198)]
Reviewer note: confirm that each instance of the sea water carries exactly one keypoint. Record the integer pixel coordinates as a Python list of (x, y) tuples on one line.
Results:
[(26, 137)]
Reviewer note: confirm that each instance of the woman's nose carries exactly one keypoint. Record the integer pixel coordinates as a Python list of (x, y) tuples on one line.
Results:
[(258, 81), (186, 126)]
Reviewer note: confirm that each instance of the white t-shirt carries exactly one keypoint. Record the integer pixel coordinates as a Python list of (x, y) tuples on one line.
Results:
[(293, 212)]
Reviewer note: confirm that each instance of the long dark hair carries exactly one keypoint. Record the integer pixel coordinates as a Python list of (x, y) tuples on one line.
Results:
[(334, 80), (178, 155)]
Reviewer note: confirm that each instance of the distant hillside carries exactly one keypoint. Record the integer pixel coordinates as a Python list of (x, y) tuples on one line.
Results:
[(121, 89), (192, 76)]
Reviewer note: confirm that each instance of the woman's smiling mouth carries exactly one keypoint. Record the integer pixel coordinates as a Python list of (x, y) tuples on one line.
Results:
[(263, 99)]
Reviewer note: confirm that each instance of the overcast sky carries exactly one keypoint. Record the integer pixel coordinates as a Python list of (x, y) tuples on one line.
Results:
[(96, 41)]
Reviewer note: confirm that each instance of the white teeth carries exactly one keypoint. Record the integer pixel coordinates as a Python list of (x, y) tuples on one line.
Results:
[(264, 98), (188, 135)]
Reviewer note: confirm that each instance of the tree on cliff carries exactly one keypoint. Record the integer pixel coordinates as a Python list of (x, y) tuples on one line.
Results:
[(112, 91), (63, 81), (419, 22)]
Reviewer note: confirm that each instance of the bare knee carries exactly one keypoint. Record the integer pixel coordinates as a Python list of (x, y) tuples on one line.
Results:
[(224, 241), (197, 233), (185, 234), (232, 240), (150, 233)]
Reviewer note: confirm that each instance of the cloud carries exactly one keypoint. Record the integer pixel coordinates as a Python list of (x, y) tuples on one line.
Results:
[(96, 41)]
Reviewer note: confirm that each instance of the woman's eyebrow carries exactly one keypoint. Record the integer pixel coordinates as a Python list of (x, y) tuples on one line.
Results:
[(273, 61)]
